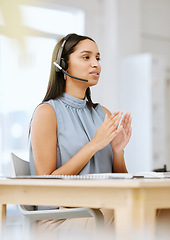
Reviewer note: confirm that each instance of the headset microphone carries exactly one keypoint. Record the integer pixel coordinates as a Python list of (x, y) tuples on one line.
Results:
[(61, 69)]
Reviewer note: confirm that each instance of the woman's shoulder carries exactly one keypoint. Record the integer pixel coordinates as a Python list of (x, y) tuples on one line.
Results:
[(106, 111), (44, 108), (44, 119), (44, 111), (102, 111)]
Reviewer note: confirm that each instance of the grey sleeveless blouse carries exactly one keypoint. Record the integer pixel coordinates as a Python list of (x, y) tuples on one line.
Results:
[(76, 126)]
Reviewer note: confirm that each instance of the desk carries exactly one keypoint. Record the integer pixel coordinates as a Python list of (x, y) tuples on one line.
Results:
[(134, 201)]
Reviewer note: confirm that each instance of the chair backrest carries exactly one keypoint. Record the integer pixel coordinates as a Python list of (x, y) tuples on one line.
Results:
[(21, 167)]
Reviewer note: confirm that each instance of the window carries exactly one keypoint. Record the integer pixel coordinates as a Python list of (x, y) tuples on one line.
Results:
[(24, 73)]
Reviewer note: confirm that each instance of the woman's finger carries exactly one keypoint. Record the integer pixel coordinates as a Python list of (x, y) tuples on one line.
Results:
[(125, 120), (114, 120), (115, 133)]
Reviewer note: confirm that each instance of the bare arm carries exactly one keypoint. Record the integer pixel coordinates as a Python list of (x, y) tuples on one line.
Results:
[(44, 143)]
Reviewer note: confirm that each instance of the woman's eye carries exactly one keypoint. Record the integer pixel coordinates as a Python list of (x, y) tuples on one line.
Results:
[(88, 57), (85, 57)]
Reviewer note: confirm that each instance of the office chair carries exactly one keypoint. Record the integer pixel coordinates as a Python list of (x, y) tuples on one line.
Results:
[(30, 215)]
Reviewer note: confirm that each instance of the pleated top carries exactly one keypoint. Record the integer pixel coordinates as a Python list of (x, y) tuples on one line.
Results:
[(76, 126)]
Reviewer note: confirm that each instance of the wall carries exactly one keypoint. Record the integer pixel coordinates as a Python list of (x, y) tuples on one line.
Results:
[(155, 38), (155, 34)]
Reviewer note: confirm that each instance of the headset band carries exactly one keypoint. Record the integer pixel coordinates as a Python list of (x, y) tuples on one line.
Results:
[(60, 51)]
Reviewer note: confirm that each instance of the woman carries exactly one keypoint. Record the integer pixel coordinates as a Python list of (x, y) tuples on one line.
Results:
[(69, 133)]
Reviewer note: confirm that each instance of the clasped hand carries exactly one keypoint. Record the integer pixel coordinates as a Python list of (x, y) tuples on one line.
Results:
[(111, 132)]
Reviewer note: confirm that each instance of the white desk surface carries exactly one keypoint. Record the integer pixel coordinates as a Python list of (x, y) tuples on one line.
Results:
[(134, 201)]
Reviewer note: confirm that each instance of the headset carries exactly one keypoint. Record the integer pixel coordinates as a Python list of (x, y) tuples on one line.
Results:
[(60, 64)]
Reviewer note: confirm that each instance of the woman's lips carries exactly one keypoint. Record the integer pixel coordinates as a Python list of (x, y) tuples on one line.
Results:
[(95, 73)]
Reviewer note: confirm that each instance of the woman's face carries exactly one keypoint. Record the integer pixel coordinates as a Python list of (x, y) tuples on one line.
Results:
[(84, 62)]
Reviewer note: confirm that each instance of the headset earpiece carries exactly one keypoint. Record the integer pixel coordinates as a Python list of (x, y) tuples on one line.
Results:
[(63, 64)]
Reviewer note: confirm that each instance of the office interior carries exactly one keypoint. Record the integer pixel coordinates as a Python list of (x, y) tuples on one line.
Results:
[(134, 40)]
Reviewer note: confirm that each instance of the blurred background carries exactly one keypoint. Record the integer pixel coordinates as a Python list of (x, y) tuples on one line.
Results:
[(133, 37)]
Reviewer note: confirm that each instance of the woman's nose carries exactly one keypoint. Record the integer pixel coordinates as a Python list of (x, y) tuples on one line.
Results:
[(95, 63)]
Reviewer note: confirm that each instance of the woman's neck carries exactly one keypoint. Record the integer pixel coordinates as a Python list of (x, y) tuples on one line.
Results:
[(75, 91)]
